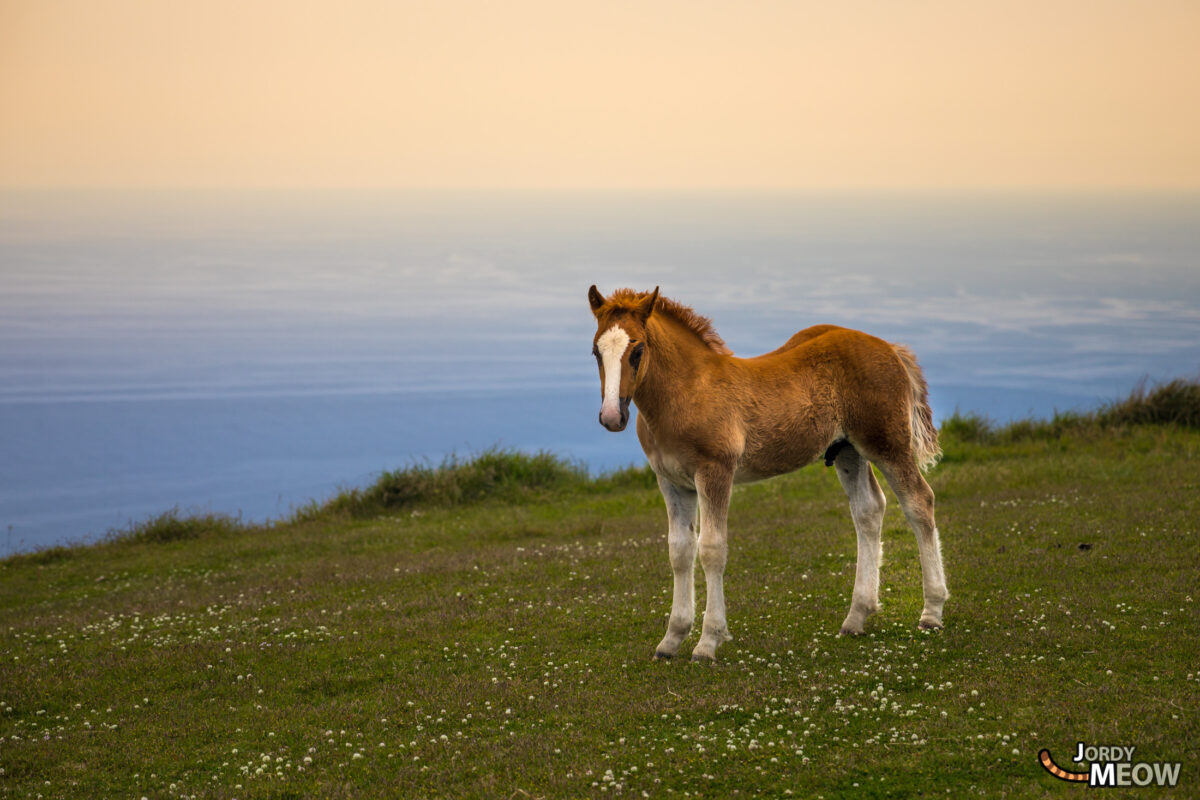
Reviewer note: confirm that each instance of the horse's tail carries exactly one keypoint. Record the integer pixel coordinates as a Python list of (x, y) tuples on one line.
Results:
[(924, 434)]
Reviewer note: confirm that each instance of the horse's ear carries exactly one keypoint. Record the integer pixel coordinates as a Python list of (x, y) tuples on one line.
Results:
[(596, 299), (646, 307)]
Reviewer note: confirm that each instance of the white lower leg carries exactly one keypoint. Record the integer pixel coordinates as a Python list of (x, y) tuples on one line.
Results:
[(714, 486), (681, 542), (715, 630), (683, 604), (933, 579), (867, 505), (916, 498), (865, 600)]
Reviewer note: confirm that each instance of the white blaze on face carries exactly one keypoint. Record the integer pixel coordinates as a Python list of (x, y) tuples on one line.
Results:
[(611, 346)]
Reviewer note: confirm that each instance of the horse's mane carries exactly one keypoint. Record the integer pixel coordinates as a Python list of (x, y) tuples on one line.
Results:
[(701, 326)]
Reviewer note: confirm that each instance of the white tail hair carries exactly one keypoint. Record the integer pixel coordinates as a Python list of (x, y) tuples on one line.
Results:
[(924, 435)]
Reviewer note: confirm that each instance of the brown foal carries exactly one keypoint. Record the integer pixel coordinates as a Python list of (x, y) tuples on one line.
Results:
[(708, 420)]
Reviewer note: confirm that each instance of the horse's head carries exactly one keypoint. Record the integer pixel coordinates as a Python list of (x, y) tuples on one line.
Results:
[(620, 349)]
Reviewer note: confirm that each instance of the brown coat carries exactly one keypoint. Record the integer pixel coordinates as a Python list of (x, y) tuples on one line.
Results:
[(708, 419)]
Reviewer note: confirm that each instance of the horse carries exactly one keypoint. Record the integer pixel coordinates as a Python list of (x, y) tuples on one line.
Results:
[(708, 420)]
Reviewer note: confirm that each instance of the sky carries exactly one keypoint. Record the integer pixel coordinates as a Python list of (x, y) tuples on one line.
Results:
[(521, 94)]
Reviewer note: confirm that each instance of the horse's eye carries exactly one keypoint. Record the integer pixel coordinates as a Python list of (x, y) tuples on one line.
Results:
[(596, 352), (635, 357)]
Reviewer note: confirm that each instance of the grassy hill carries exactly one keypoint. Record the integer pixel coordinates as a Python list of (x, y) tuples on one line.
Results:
[(485, 630)]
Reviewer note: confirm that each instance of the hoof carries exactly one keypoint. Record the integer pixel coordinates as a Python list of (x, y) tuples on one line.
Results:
[(849, 632), (700, 658), (660, 655), (928, 625)]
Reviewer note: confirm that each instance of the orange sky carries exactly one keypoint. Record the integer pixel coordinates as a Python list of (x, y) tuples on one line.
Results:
[(555, 93)]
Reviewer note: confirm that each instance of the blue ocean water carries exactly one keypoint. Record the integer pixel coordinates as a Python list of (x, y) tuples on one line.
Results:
[(246, 353)]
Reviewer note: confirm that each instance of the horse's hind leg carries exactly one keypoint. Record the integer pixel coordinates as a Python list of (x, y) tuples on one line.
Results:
[(916, 498), (867, 505), (681, 541)]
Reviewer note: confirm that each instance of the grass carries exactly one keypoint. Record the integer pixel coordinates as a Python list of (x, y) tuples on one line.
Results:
[(488, 634), (1175, 402), (491, 475)]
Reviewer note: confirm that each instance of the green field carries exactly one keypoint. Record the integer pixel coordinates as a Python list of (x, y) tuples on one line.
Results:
[(424, 638)]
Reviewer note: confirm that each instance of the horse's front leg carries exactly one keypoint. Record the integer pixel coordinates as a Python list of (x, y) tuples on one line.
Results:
[(715, 485), (681, 540)]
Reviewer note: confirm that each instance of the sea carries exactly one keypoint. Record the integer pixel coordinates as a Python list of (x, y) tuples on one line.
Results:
[(247, 353)]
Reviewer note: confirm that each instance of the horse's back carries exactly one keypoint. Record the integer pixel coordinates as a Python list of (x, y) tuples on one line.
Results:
[(831, 344), (803, 337), (829, 381)]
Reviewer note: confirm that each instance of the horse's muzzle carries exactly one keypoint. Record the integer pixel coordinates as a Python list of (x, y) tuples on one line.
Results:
[(615, 419)]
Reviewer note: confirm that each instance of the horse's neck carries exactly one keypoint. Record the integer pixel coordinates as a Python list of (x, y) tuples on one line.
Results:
[(677, 359)]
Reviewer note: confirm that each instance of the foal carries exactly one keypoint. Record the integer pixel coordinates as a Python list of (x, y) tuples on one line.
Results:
[(708, 420)]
